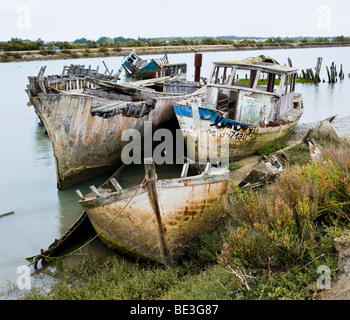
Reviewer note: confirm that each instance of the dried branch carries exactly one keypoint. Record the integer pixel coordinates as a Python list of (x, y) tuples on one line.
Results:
[(241, 275)]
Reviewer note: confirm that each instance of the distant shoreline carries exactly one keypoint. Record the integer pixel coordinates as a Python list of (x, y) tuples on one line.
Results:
[(19, 56)]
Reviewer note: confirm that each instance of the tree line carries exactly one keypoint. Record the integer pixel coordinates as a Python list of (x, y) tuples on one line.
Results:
[(16, 44)]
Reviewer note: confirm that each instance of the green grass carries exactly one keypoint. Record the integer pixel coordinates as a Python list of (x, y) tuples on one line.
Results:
[(299, 154), (233, 165), (271, 148), (302, 80), (261, 82)]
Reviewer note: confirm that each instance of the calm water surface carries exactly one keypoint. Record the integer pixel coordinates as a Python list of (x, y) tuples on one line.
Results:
[(27, 169)]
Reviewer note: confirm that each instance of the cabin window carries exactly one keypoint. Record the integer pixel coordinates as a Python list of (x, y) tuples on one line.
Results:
[(256, 79), (244, 78), (221, 75), (268, 81)]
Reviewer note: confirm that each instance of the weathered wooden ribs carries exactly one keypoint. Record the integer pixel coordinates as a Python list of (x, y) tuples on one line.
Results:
[(127, 109)]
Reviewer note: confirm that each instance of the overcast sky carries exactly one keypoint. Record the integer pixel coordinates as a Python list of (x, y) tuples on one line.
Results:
[(72, 19)]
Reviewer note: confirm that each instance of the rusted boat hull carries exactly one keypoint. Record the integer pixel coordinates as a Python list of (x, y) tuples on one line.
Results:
[(184, 208)]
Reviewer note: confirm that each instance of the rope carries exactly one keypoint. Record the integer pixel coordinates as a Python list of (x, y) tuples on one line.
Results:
[(143, 184), (55, 259)]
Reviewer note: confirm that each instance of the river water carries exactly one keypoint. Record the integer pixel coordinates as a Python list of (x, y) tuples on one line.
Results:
[(42, 213)]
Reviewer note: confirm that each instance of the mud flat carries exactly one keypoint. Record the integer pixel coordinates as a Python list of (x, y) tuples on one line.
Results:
[(341, 126)]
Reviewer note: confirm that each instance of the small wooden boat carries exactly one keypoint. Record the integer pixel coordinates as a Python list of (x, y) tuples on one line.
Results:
[(235, 117), (157, 219), (136, 67), (85, 113)]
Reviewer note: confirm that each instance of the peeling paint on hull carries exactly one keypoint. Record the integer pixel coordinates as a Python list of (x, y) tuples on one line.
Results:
[(83, 144), (186, 208), (259, 137)]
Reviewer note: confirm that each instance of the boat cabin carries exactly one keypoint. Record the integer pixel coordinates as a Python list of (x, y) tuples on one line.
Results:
[(251, 91)]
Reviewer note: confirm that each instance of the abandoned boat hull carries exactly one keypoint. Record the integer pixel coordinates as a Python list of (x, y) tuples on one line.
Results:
[(233, 119), (184, 208), (85, 145), (234, 140), (85, 118)]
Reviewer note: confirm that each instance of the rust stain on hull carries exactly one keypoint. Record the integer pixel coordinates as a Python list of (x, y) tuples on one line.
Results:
[(186, 210)]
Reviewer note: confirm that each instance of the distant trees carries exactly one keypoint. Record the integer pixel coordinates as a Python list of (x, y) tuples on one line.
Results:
[(319, 40), (16, 44), (341, 40)]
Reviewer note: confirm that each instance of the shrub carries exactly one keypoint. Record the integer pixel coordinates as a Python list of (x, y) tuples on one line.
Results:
[(47, 52), (280, 227), (66, 51), (103, 50)]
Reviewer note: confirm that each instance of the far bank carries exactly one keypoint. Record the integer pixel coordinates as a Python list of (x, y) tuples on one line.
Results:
[(42, 55)]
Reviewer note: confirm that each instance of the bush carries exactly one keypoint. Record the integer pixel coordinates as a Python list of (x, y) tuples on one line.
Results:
[(47, 52), (66, 51), (103, 50), (283, 226)]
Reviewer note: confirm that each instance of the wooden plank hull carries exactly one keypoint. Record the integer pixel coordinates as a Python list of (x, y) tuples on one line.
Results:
[(185, 206), (85, 114), (86, 145)]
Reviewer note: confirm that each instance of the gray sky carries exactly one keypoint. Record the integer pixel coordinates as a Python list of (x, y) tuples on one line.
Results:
[(72, 19)]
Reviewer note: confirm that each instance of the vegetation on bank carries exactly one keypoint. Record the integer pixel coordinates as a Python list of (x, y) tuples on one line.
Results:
[(268, 246), (18, 49), (16, 44)]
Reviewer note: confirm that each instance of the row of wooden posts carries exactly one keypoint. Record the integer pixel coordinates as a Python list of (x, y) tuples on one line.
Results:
[(332, 73)]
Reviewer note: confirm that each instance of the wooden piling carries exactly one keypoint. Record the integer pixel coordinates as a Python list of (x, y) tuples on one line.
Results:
[(318, 69), (332, 73), (341, 73), (328, 74)]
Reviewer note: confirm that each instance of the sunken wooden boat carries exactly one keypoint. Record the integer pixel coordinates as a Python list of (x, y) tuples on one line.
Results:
[(157, 219), (86, 112), (235, 117)]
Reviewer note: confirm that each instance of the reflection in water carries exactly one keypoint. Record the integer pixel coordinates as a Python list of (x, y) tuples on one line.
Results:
[(43, 147), (69, 207)]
